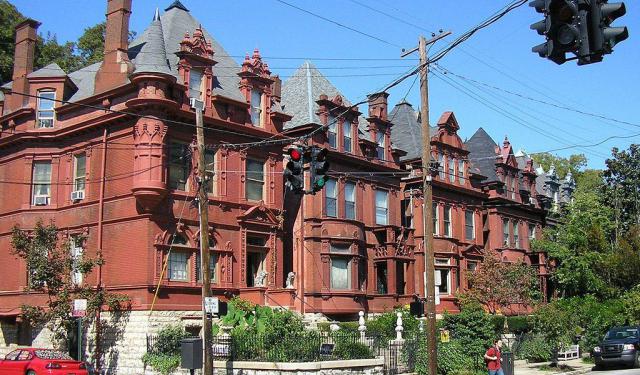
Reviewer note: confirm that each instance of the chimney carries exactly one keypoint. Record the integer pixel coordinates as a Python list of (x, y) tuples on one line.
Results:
[(116, 65), (378, 105), (24, 57)]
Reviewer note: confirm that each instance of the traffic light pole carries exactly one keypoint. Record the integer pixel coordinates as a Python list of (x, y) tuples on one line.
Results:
[(203, 212), (427, 238)]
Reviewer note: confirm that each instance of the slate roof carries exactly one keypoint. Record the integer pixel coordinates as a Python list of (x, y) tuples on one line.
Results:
[(152, 56), (482, 154), (406, 132), (51, 70)]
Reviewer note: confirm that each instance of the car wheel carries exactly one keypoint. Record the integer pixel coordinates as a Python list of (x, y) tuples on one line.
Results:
[(31, 372), (636, 363), (599, 367)]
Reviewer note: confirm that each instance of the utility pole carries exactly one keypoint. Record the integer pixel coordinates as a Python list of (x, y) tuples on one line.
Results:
[(203, 213), (427, 238)]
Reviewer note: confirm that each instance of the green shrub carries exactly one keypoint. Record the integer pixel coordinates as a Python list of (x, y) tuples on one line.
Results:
[(453, 358), (519, 324), (383, 326), (163, 363), (473, 328), (535, 349), (497, 322), (347, 349), (164, 356)]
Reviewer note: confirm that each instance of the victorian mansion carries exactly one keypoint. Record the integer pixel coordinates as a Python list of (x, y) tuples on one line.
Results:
[(106, 152)]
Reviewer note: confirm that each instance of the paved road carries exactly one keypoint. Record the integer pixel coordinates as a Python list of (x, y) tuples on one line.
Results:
[(622, 371)]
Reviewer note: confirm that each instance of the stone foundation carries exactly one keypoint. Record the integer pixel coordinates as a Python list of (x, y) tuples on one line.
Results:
[(347, 367)]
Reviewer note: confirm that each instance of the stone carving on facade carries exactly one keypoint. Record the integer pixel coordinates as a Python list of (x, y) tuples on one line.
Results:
[(291, 277)]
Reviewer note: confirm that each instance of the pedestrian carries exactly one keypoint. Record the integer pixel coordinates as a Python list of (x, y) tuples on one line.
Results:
[(492, 357)]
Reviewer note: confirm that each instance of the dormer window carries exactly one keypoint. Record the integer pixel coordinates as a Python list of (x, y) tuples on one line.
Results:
[(381, 144), (256, 107), (346, 136), (452, 171), (461, 166), (46, 113), (195, 84)]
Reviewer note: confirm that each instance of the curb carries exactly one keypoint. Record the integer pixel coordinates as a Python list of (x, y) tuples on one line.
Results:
[(575, 372)]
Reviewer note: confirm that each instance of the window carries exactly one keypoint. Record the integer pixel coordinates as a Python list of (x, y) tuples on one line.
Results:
[(255, 180), (445, 283), (46, 113), (381, 207), (340, 273), (400, 281), (256, 107), (350, 200), (41, 183), (469, 225), (436, 219), (195, 84), (331, 134), (178, 266), (516, 235), (209, 170), (76, 250), (213, 262), (472, 266), (381, 277), (406, 207), (79, 172), (256, 255), (346, 135), (330, 191), (461, 165), (505, 232), (441, 166), (513, 188), (179, 165), (381, 144), (452, 170), (447, 221)]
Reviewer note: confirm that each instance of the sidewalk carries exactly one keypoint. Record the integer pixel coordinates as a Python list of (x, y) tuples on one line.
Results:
[(576, 367)]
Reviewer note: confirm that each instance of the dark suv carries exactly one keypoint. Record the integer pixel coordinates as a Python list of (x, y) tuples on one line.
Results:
[(620, 346)]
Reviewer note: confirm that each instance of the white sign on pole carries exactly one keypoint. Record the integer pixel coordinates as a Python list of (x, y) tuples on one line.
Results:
[(79, 307), (211, 305)]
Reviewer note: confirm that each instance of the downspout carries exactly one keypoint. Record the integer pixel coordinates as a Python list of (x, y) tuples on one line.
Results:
[(100, 225)]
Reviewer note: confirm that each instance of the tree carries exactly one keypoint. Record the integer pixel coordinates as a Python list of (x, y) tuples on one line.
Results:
[(622, 190), (574, 164), (91, 44), (579, 245), (500, 286), (9, 18), (51, 266), (49, 51), (622, 264)]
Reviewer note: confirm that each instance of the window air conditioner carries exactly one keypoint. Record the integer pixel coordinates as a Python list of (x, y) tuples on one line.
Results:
[(77, 195), (41, 200)]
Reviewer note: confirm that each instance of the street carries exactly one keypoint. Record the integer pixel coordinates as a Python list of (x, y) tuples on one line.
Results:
[(620, 370)]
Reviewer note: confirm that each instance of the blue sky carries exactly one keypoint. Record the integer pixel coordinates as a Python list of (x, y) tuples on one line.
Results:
[(499, 56)]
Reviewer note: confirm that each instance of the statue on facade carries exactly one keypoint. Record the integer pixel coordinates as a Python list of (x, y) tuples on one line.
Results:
[(291, 277), (261, 279)]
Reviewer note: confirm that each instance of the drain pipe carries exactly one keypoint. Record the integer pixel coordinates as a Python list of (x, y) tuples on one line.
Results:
[(100, 224)]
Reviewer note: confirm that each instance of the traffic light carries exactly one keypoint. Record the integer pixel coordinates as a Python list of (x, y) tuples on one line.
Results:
[(319, 168), (602, 36), (294, 169), (565, 28)]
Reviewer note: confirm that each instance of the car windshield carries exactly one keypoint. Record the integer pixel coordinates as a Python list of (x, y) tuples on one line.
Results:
[(621, 333), (51, 354)]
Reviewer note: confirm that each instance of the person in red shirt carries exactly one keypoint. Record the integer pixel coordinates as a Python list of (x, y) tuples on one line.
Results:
[(492, 357)]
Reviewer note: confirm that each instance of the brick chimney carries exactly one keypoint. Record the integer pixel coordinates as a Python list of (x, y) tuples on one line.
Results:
[(26, 34), (378, 105), (116, 65)]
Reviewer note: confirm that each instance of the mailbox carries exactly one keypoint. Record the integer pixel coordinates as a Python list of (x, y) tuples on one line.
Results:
[(416, 308), (191, 353)]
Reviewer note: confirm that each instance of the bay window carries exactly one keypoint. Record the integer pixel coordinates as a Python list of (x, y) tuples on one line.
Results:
[(179, 165), (330, 195), (340, 267), (350, 200), (506, 239)]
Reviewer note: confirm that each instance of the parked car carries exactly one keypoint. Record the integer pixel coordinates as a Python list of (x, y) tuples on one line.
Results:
[(620, 346), (31, 361)]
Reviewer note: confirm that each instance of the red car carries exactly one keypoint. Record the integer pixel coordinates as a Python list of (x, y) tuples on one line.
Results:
[(30, 361)]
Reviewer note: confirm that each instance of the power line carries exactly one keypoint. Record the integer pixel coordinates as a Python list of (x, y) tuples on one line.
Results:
[(339, 24), (524, 96)]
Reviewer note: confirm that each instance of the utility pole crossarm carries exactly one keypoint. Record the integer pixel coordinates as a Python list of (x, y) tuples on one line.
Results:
[(430, 287)]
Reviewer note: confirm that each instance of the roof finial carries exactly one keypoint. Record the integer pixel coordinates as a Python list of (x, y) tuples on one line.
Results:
[(156, 15)]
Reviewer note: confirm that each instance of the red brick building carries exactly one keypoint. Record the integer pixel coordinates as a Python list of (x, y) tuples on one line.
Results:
[(107, 152)]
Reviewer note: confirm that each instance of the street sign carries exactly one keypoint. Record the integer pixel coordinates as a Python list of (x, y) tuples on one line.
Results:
[(211, 305), (444, 335), (79, 308)]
